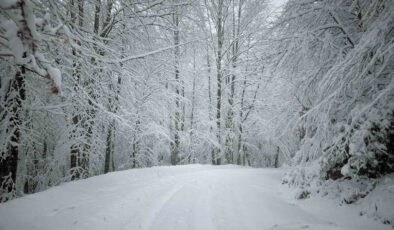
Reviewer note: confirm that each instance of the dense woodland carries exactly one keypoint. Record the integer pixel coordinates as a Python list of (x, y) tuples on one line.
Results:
[(94, 86)]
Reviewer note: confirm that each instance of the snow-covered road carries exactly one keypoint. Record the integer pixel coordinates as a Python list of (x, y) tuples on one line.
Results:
[(183, 197)]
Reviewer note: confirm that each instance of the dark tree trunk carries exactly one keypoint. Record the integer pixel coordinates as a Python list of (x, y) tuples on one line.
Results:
[(219, 57), (178, 123), (109, 150), (9, 163), (79, 157), (276, 162)]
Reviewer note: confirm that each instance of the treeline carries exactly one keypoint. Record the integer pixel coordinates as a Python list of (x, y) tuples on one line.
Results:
[(89, 87)]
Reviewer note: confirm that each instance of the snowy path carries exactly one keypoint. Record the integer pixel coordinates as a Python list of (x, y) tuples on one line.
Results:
[(185, 197)]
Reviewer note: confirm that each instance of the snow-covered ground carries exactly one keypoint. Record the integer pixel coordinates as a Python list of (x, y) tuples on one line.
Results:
[(183, 197)]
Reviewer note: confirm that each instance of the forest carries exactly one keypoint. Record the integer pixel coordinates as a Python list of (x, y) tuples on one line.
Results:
[(90, 87)]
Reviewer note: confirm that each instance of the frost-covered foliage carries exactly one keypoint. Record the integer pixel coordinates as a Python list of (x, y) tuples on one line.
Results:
[(339, 55), (131, 84), (24, 55), (47, 139)]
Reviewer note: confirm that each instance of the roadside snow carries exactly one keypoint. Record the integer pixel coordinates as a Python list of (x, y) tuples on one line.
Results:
[(379, 204), (182, 197)]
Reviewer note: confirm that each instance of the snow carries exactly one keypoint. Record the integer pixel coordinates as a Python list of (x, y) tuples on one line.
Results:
[(345, 170), (55, 76), (182, 197), (5, 4), (30, 19), (379, 204), (13, 42)]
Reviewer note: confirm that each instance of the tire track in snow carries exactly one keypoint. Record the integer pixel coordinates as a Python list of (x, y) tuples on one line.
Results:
[(156, 209), (189, 207)]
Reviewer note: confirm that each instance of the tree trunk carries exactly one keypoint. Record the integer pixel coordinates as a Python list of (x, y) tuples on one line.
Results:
[(276, 162), (177, 119), (9, 161), (219, 57), (193, 92), (230, 114), (210, 102), (79, 154), (109, 164), (240, 151), (109, 161)]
